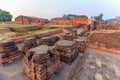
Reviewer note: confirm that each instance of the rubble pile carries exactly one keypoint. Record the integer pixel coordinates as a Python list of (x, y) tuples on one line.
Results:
[(29, 43), (41, 63), (9, 51), (67, 50)]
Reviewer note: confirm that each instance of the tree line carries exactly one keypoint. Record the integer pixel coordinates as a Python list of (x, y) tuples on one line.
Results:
[(5, 16)]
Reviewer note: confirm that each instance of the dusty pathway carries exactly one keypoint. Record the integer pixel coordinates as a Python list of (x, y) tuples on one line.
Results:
[(99, 65), (12, 71)]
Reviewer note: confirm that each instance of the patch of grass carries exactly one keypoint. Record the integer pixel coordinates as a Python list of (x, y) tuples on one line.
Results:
[(35, 31), (40, 31), (27, 29), (14, 27)]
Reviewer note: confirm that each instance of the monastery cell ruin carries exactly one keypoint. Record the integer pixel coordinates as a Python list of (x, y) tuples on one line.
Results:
[(79, 49)]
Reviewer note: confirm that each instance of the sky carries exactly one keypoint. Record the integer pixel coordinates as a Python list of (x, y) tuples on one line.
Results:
[(57, 8)]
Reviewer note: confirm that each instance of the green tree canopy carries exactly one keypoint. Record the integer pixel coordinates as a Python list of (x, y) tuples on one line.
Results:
[(5, 16), (99, 17)]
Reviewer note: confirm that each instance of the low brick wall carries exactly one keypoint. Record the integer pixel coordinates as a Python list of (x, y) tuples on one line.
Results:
[(21, 39), (114, 26), (26, 28), (107, 40)]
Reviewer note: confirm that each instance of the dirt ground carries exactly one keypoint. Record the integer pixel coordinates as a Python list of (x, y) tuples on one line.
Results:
[(98, 65), (12, 71)]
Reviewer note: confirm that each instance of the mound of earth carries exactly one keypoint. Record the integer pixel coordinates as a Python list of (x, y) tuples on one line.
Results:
[(108, 40)]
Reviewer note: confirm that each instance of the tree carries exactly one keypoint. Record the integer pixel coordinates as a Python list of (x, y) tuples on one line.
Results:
[(5, 16), (99, 17)]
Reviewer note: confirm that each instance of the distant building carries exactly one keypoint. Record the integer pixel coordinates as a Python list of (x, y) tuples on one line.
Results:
[(30, 20), (78, 20)]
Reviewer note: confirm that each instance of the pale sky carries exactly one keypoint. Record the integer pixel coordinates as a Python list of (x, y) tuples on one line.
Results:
[(57, 8)]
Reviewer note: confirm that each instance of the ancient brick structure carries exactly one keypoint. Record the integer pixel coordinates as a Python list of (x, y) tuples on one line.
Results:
[(113, 26), (30, 20), (101, 25), (41, 63), (108, 40), (9, 51), (80, 43), (78, 20), (60, 21), (67, 51), (105, 25)]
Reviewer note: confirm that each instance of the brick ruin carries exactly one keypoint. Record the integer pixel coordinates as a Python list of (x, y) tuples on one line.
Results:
[(30, 20), (78, 20), (42, 56), (102, 36), (114, 26), (42, 61), (108, 40), (9, 51), (69, 33), (43, 53)]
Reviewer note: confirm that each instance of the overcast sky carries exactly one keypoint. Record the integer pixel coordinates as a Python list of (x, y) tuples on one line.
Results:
[(57, 8)]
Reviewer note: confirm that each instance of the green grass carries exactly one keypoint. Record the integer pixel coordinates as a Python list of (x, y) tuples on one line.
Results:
[(35, 31), (13, 27), (40, 31)]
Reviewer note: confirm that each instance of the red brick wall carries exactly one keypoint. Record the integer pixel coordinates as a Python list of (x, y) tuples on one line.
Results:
[(114, 26), (30, 20), (22, 38), (108, 40), (19, 20), (66, 21)]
